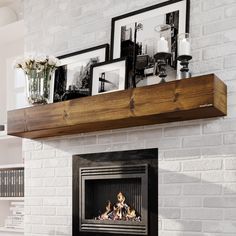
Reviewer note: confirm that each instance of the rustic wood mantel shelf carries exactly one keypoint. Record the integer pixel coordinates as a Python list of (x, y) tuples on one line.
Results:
[(196, 98)]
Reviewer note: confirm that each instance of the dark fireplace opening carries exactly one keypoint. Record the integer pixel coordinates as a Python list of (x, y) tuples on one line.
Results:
[(115, 193), (104, 197)]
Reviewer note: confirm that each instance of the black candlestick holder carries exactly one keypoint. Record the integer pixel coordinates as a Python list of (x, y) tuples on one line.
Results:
[(161, 58), (184, 62)]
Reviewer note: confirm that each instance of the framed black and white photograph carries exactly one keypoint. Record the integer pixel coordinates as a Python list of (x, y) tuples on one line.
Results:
[(109, 76), (136, 35), (73, 77)]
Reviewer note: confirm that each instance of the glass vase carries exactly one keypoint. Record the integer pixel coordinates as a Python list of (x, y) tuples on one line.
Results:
[(40, 86)]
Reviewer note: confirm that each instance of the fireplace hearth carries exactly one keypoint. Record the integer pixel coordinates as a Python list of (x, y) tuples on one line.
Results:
[(115, 193)]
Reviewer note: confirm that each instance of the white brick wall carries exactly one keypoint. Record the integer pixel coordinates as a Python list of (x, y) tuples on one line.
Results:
[(197, 159)]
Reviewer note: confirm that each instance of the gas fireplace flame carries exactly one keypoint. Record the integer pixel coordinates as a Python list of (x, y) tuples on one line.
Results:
[(119, 211)]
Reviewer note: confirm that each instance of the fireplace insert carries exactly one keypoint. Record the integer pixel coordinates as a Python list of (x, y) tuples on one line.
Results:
[(115, 193)]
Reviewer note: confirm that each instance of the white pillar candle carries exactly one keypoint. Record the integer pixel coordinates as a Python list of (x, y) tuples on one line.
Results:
[(162, 45), (184, 47)]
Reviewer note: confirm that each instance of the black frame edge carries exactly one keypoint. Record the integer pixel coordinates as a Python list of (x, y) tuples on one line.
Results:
[(105, 46), (166, 3)]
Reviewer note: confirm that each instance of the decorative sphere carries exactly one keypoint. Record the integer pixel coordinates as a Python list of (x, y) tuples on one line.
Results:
[(7, 16)]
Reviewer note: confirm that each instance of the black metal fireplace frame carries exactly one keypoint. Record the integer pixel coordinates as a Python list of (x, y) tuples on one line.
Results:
[(117, 161), (108, 173)]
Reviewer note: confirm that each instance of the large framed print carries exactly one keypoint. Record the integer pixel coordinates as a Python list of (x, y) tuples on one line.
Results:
[(109, 76), (73, 77), (134, 35)]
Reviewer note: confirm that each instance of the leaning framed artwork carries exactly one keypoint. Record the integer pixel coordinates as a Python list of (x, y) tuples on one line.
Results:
[(73, 77), (135, 36), (109, 76)]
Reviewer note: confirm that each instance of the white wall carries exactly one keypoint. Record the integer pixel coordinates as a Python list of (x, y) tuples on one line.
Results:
[(11, 46), (7, 51), (197, 159)]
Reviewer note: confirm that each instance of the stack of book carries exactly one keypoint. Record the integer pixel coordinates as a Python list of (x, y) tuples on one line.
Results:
[(12, 182), (16, 219)]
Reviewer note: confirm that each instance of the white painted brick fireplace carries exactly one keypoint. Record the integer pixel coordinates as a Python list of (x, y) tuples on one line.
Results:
[(197, 159)]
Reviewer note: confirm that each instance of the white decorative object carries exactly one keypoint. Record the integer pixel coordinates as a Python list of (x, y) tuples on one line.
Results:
[(184, 47), (162, 45), (184, 44), (163, 54), (163, 38), (184, 55)]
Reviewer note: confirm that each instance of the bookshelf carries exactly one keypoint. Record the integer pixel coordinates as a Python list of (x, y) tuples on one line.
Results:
[(5, 212), (12, 182), (9, 159), (11, 198), (10, 166), (5, 206)]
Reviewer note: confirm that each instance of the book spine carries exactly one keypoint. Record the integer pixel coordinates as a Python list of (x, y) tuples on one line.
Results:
[(2, 186), (23, 182), (20, 182), (12, 183), (0, 183), (5, 183), (17, 183), (8, 183)]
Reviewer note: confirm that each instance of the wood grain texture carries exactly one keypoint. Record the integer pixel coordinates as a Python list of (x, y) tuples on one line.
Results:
[(195, 98)]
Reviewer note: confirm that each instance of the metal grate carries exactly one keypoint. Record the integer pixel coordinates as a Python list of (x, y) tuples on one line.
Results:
[(100, 184)]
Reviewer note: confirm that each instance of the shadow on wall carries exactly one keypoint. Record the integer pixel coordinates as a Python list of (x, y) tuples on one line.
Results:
[(191, 206), (197, 195)]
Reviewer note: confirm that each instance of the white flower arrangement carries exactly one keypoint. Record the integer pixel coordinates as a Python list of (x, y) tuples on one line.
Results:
[(28, 64)]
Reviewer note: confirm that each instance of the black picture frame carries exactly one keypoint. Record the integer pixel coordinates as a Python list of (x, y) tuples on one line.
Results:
[(103, 65), (60, 83), (132, 82)]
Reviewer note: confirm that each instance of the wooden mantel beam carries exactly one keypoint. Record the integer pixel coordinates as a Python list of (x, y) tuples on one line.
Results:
[(195, 98)]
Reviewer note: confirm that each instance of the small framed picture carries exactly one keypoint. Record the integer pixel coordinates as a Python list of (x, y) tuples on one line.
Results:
[(73, 77), (135, 35), (109, 76)]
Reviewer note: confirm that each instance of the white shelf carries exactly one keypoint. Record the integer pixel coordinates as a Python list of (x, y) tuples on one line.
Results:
[(4, 229), (9, 166), (11, 198), (4, 136)]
